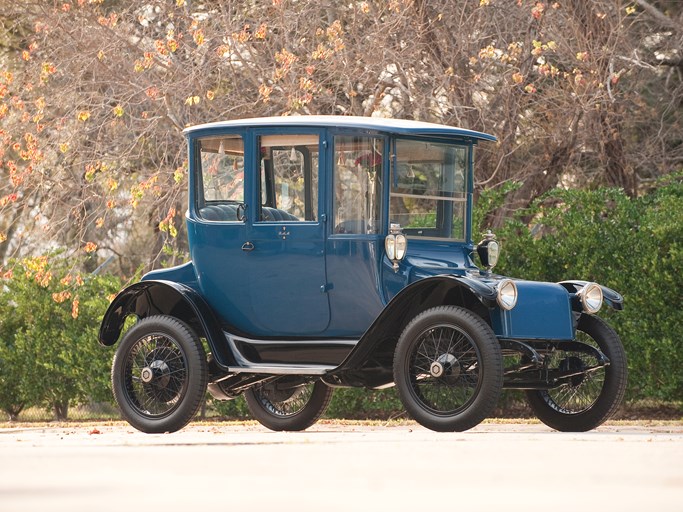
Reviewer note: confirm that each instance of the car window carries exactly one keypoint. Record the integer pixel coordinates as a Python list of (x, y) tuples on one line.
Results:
[(289, 177), (429, 189), (221, 175), (357, 184)]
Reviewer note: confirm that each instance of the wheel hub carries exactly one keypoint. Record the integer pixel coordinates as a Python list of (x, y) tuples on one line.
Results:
[(445, 364), (147, 375), (157, 373), (436, 369)]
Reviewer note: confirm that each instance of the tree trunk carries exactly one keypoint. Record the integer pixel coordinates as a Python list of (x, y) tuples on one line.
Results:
[(618, 172), (60, 409)]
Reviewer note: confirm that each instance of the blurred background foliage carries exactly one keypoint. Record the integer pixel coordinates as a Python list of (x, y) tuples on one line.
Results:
[(584, 182), (50, 314)]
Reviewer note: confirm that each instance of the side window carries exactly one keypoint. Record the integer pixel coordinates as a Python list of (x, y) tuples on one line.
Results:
[(357, 184), (289, 177), (428, 196), (221, 188)]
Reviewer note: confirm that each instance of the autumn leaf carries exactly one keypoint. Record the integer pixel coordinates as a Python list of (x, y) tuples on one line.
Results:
[(538, 10), (178, 175), (61, 296), (261, 31), (74, 308)]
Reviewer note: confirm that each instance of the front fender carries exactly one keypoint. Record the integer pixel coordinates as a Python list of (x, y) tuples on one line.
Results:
[(148, 298), (611, 297), (410, 301)]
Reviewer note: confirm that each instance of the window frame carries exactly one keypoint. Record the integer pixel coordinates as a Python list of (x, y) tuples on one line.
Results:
[(197, 181), (464, 198), (268, 179)]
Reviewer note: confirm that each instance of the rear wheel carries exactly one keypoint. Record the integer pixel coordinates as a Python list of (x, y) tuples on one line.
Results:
[(287, 405), (589, 398), (159, 374), (448, 369)]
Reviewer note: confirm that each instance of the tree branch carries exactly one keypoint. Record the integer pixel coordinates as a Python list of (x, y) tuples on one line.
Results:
[(659, 15)]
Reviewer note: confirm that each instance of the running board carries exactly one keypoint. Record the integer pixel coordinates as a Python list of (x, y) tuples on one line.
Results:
[(273, 369)]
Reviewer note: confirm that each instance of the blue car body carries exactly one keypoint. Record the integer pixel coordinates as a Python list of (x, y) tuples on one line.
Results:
[(279, 292)]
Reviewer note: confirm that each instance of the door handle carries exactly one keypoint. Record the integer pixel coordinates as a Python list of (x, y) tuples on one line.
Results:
[(247, 247)]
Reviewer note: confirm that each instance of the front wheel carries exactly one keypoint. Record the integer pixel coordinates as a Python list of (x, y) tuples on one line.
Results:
[(289, 405), (159, 374), (591, 397), (448, 369)]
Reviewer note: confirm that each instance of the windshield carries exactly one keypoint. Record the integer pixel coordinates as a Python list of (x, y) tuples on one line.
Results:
[(429, 189)]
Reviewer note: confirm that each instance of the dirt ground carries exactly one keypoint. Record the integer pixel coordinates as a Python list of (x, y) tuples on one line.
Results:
[(337, 466)]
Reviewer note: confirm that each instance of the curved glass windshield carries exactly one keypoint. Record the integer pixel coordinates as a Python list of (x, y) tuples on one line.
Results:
[(429, 189)]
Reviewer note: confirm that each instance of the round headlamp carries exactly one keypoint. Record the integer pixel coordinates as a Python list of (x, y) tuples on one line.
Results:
[(390, 247), (591, 298), (506, 294), (395, 245), (401, 246), (488, 251)]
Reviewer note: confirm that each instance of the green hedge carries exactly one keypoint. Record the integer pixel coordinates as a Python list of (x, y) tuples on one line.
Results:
[(49, 319), (50, 314), (634, 246)]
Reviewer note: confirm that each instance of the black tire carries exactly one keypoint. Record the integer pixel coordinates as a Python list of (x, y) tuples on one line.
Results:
[(283, 405), (448, 369), (591, 399), (159, 375)]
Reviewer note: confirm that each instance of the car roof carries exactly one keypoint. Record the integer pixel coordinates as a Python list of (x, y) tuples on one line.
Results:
[(398, 126)]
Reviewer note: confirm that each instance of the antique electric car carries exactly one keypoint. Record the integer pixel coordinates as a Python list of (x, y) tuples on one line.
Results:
[(338, 251)]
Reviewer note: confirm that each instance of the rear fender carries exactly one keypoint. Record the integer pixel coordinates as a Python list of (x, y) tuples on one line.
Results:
[(381, 337), (149, 298)]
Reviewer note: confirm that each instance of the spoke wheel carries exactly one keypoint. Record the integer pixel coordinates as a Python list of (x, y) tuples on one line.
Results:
[(448, 369), (284, 405), (586, 400), (159, 374)]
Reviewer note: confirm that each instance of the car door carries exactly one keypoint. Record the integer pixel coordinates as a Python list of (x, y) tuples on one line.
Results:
[(285, 246), (356, 240)]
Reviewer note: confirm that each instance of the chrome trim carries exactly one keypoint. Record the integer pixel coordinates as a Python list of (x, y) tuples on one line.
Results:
[(499, 287), (274, 369), (582, 295)]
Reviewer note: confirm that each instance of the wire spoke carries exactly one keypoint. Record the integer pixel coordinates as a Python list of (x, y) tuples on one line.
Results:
[(581, 391), (458, 355), (165, 358)]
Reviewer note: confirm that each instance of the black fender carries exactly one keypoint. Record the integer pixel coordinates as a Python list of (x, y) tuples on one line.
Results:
[(611, 297), (148, 298), (426, 293)]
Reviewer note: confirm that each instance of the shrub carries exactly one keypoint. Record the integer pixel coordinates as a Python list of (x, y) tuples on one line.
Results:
[(49, 318), (634, 246)]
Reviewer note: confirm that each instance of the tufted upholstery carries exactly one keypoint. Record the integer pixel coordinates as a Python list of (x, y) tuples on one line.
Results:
[(273, 214), (219, 212), (228, 213)]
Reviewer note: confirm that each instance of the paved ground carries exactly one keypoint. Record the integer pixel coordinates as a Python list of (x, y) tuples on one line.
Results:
[(333, 467)]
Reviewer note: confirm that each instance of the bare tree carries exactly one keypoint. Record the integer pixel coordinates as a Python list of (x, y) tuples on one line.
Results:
[(94, 96)]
